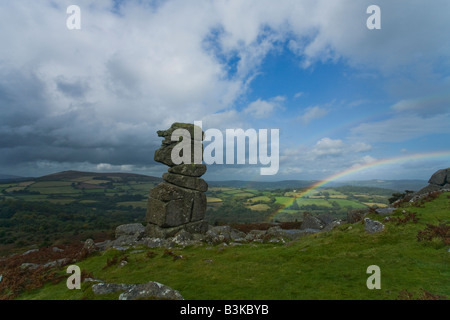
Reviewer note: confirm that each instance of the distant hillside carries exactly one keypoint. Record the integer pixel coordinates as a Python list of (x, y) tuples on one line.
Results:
[(397, 185), (9, 177), (262, 184), (71, 174)]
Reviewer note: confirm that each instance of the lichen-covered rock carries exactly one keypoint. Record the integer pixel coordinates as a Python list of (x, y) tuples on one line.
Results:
[(193, 183), (373, 226), (439, 181), (131, 229), (192, 170), (193, 133), (151, 290), (311, 222), (440, 177)]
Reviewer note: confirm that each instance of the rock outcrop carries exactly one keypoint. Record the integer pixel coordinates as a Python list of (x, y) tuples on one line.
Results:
[(439, 181), (178, 203)]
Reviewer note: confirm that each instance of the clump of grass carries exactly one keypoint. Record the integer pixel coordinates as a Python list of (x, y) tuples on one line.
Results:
[(114, 261)]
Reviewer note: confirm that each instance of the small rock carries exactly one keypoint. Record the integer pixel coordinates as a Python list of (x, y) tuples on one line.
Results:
[(56, 249), (135, 230), (57, 263), (105, 288), (151, 290), (1, 278), (120, 248), (123, 263), (91, 280), (30, 251), (29, 266), (373, 226), (182, 238), (384, 211), (89, 245)]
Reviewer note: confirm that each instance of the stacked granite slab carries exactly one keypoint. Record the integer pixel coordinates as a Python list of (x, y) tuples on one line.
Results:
[(178, 203)]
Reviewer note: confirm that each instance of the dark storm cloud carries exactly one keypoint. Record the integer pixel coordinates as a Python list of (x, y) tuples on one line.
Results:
[(22, 98), (74, 89)]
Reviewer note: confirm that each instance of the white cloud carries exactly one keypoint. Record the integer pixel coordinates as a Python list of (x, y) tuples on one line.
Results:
[(107, 88), (313, 113), (337, 147), (262, 109), (328, 147), (402, 128), (298, 95)]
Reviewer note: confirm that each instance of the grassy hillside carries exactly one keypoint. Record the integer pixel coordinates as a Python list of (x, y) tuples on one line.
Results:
[(321, 266)]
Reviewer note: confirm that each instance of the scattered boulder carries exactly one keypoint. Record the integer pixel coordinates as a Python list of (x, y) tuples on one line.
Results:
[(106, 288), (311, 222), (150, 290), (133, 229), (89, 246), (373, 226), (30, 251), (29, 266), (220, 234)]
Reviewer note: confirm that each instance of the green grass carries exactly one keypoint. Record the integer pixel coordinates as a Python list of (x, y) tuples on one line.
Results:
[(317, 202), (321, 266), (260, 198), (134, 204), (284, 200), (349, 203), (47, 184)]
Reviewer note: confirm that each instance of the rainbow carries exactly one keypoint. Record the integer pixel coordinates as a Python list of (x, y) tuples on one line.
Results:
[(358, 168)]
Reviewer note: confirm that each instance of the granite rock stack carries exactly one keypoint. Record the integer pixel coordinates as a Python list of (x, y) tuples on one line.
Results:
[(178, 203)]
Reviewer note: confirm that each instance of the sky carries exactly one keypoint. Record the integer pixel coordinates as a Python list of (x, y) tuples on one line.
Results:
[(342, 95)]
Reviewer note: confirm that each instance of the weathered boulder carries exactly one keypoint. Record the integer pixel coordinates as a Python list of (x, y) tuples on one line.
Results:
[(219, 234), (311, 222), (132, 229), (188, 182), (169, 214), (194, 134), (439, 181), (440, 177), (155, 231), (192, 170), (373, 226), (89, 246), (151, 290)]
